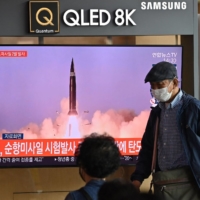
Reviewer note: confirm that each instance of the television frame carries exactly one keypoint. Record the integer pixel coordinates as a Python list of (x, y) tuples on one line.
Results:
[(126, 159)]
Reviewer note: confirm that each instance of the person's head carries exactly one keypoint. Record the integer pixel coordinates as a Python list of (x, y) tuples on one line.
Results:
[(164, 81), (98, 155), (118, 189), (147, 196)]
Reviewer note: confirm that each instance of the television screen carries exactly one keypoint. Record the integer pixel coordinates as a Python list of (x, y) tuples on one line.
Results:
[(53, 96)]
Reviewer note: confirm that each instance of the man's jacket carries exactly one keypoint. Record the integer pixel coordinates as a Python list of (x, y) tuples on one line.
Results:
[(188, 118)]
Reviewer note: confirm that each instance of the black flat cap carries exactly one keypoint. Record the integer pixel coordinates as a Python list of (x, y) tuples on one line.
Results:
[(161, 71)]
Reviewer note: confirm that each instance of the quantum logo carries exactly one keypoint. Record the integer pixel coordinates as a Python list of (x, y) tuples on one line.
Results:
[(48, 21), (44, 17)]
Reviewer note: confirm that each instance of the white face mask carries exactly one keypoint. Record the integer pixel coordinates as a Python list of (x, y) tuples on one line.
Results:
[(162, 94)]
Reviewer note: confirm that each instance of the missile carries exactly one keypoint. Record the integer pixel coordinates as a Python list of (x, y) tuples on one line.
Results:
[(72, 91)]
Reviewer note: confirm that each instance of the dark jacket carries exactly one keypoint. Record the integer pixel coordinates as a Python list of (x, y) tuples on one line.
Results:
[(92, 188), (188, 117)]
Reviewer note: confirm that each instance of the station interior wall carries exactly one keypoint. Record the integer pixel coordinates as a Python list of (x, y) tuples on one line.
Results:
[(55, 183)]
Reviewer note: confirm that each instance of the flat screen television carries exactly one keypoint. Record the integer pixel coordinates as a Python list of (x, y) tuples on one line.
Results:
[(52, 96)]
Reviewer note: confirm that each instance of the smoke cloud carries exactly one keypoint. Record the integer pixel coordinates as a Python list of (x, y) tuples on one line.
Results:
[(119, 124)]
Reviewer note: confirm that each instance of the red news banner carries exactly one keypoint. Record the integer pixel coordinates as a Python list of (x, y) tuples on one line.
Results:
[(58, 147), (13, 54)]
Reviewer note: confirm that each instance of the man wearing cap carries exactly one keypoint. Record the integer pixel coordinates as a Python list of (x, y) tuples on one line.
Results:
[(172, 153)]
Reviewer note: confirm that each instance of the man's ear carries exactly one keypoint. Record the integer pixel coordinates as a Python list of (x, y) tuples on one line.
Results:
[(175, 81)]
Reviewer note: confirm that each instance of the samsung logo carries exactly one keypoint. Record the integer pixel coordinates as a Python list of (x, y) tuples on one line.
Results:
[(163, 5)]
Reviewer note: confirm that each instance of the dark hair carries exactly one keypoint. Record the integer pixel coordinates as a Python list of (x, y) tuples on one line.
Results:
[(147, 196), (118, 189), (98, 155)]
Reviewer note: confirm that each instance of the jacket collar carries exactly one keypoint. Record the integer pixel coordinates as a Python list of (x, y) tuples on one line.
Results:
[(186, 100)]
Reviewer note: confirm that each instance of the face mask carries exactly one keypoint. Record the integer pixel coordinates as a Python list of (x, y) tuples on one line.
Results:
[(162, 94)]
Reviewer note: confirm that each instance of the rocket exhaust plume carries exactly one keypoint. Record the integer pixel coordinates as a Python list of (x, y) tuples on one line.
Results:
[(72, 91)]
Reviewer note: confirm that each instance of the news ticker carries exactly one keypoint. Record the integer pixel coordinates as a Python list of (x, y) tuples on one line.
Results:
[(60, 161)]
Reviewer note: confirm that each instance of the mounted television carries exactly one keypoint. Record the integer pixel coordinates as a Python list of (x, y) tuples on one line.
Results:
[(52, 96)]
